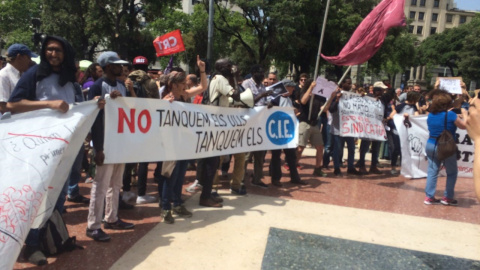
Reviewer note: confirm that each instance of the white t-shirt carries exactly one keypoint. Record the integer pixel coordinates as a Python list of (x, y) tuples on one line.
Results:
[(9, 77), (221, 88)]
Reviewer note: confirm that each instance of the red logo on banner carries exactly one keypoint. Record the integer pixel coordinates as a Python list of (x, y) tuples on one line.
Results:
[(169, 43)]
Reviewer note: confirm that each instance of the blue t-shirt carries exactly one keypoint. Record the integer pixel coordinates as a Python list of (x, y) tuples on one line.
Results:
[(436, 123)]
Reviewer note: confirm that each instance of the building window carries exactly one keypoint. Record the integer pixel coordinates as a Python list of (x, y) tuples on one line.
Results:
[(463, 19), (410, 29), (422, 3), (412, 15), (449, 18), (414, 2), (433, 30), (421, 15), (434, 17), (419, 30), (436, 3)]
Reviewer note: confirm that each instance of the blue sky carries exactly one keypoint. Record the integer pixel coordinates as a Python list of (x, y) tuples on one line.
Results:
[(468, 4)]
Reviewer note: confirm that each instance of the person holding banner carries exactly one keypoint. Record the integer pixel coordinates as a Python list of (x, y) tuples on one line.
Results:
[(439, 119), (106, 186), (308, 130), (338, 141)]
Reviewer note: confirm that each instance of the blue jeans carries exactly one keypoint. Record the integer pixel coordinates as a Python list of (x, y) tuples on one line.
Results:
[(339, 141), (364, 146), (434, 167), (172, 187), (75, 175)]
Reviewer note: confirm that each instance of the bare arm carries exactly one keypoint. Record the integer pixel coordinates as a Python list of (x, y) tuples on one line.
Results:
[(26, 105), (473, 129), (307, 94), (203, 80)]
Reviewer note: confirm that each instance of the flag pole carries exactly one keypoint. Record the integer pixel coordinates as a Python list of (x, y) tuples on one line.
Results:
[(329, 101), (319, 53)]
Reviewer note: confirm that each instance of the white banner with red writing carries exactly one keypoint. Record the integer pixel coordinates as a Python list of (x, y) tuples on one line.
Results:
[(413, 141), (145, 130), (361, 117), (169, 43), (37, 152)]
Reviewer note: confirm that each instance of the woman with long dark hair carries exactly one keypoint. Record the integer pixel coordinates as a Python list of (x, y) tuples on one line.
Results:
[(440, 113)]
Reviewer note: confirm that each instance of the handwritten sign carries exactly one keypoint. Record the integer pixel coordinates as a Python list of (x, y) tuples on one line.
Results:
[(157, 130), (324, 87), (361, 117), (450, 84), (413, 141), (37, 150)]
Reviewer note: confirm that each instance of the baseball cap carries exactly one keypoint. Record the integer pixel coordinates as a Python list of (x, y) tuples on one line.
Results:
[(16, 49), (380, 85), (288, 82), (140, 60), (110, 57)]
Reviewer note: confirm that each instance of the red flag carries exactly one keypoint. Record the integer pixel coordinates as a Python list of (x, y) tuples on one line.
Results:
[(169, 43), (370, 34)]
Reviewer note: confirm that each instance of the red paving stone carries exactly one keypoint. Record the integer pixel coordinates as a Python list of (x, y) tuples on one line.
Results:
[(375, 192)]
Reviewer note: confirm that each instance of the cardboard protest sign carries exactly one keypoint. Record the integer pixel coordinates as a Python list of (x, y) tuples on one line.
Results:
[(169, 43), (361, 117), (324, 87), (450, 84), (37, 150), (157, 130), (414, 140)]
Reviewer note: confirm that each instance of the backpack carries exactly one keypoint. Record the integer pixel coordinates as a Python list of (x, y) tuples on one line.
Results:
[(446, 145), (143, 85), (54, 237)]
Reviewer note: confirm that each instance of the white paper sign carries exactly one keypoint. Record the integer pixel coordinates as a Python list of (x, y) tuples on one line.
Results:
[(145, 130), (324, 87), (361, 117), (413, 141), (452, 84), (37, 150)]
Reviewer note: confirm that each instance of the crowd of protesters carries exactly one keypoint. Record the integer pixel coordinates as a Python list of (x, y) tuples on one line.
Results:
[(57, 82)]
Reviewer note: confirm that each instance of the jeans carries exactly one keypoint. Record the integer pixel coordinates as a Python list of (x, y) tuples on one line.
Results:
[(328, 142), (142, 173), (75, 175), (172, 186), (364, 146), (393, 146), (434, 167), (127, 177), (338, 149), (208, 168)]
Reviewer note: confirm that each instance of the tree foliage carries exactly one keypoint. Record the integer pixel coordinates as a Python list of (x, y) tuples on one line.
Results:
[(15, 20)]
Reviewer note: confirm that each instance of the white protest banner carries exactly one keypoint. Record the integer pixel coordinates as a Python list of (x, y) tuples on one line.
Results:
[(413, 141), (144, 130), (361, 117), (37, 152), (450, 84), (324, 87)]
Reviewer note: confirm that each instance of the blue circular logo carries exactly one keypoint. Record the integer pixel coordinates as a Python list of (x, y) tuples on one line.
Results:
[(280, 128)]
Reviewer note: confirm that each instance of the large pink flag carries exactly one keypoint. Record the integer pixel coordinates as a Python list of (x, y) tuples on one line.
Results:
[(370, 34)]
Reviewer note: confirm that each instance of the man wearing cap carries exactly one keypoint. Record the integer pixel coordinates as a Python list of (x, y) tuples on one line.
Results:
[(108, 179), (50, 84), (140, 63), (275, 169), (19, 58)]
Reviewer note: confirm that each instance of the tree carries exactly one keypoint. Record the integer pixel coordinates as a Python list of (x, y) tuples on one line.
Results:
[(15, 21), (469, 63)]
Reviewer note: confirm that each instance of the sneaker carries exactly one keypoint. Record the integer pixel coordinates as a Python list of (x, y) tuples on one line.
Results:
[(146, 199), (125, 206), (260, 184), (118, 225), (337, 172), (194, 187), (318, 172), (78, 199), (447, 201), (353, 171), (98, 235), (394, 171), (214, 195), (182, 211), (430, 201), (128, 195), (239, 191), (210, 202), (167, 216), (89, 180), (35, 256)]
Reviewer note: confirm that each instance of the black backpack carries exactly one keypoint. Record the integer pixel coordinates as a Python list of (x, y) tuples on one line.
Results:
[(54, 237)]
